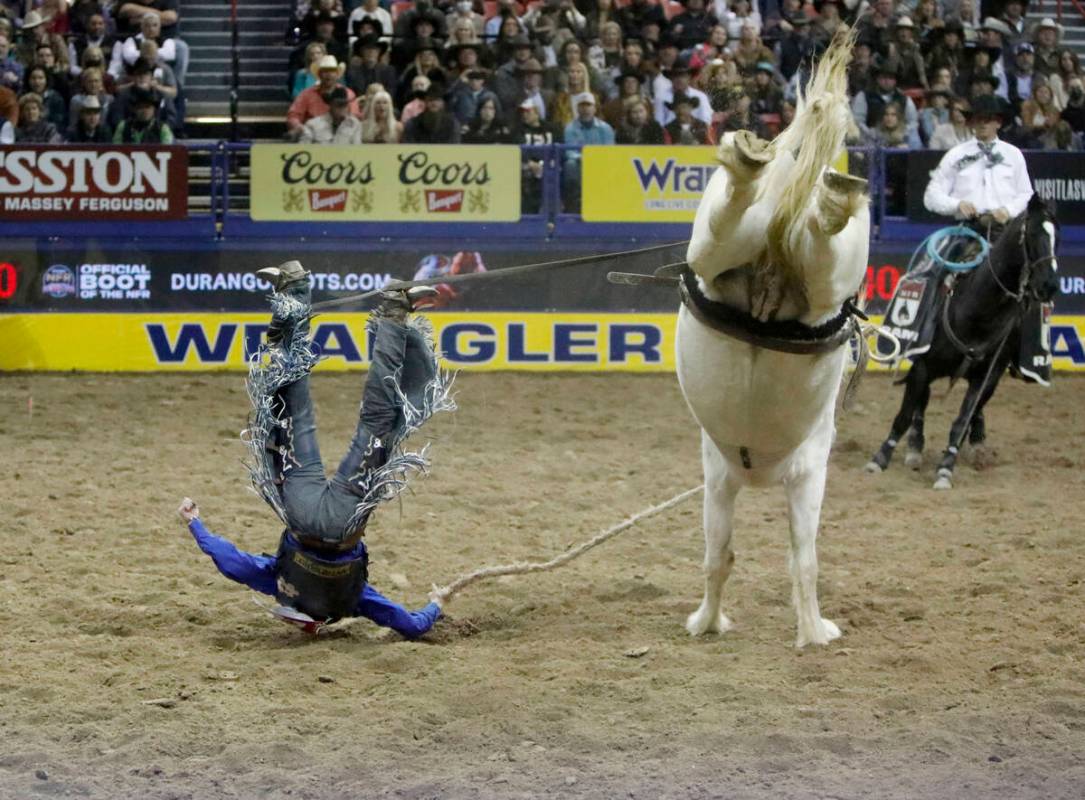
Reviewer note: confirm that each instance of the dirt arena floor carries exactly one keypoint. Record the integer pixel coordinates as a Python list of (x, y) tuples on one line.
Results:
[(129, 668)]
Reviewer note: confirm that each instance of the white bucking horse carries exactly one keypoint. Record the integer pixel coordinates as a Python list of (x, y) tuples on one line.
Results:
[(779, 247)]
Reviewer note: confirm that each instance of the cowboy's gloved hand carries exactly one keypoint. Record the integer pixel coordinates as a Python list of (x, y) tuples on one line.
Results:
[(188, 510), (1001, 215), (968, 211)]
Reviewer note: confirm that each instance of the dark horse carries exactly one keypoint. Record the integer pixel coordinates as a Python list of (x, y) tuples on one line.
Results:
[(978, 335)]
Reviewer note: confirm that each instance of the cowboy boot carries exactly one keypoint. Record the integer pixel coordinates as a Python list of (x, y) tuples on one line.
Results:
[(396, 304), (290, 279)]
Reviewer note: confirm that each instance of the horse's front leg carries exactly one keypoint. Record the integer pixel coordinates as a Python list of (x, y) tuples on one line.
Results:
[(916, 386), (944, 477), (720, 491), (804, 495), (916, 439)]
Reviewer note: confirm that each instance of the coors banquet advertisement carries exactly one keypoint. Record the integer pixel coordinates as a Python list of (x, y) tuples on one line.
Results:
[(385, 183), (117, 182)]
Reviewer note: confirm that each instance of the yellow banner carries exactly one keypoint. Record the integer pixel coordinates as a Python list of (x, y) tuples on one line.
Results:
[(385, 183), (147, 342), (649, 184)]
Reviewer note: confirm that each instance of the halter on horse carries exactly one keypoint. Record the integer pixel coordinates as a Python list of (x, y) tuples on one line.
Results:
[(978, 335), (778, 238)]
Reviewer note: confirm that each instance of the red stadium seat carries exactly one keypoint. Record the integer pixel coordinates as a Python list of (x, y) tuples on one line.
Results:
[(399, 7), (919, 97), (673, 9)]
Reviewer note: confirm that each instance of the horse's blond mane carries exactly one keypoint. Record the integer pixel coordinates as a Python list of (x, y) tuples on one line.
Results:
[(815, 137)]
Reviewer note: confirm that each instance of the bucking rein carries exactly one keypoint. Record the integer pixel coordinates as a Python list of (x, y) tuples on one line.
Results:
[(850, 324)]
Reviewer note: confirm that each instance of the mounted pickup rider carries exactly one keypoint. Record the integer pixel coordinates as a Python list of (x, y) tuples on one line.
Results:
[(320, 573), (983, 183)]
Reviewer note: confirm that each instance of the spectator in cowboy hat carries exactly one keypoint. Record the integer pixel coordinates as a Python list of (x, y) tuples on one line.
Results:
[(683, 128), (425, 62), (34, 31), (90, 127), (691, 27), (945, 47), (324, 32), (463, 56), (911, 72), (467, 93), (877, 26), (638, 13), (996, 34), (1013, 14), (434, 125), (1046, 37), (680, 84), (142, 125), (531, 88), (868, 105), (142, 78), (338, 126), (311, 103), (630, 84), (369, 10), (367, 67)]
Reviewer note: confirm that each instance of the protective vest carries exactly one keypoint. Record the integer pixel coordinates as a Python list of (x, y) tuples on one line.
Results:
[(321, 588)]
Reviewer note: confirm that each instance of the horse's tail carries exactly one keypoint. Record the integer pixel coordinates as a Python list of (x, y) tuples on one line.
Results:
[(815, 137)]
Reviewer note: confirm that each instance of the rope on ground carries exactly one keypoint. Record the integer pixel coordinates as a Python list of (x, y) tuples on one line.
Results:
[(524, 567)]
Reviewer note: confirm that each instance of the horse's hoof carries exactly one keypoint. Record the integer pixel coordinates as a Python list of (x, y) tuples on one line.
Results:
[(828, 631), (839, 182), (701, 622), (914, 460), (873, 468), (945, 480), (752, 150)]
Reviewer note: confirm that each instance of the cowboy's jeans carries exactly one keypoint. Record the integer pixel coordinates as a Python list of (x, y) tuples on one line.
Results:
[(318, 508)]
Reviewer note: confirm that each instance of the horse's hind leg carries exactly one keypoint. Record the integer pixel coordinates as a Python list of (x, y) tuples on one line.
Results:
[(804, 495), (916, 439), (916, 386), (720, 491)]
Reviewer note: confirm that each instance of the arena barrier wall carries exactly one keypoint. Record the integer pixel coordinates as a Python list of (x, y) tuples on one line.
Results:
[(132, 306), (477, 341)]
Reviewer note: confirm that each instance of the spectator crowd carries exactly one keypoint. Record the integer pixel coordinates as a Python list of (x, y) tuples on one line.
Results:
[(91, 71)]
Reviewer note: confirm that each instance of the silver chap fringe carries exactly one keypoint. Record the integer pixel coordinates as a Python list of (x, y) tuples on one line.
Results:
[(273, 367), (388, 481), (270, 369)]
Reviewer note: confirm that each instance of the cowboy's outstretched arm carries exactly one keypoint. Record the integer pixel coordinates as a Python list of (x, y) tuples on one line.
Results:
[(256, 572), (408, 624)]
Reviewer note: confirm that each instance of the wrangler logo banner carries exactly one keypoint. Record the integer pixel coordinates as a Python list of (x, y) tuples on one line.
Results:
[(147, 342), (44, 182), (387, 183), (649, 184)]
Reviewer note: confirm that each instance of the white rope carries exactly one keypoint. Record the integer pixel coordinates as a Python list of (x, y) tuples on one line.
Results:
[(525, 567)]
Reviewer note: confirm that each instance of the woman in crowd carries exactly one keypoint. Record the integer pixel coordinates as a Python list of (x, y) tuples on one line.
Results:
[(94, 58), (37, 80), (507, 35), (92, 84), (306, 76), (630, 84), (1069, 68), (750, 50), (1041, 119), (892, 133), (926, 19), (715, 47), (571, 54), (425, 63), (486, 128), (606, 54), (416, 105), (33, 128), (379, 126), (955, 131), (637, 125), (577, 81)]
